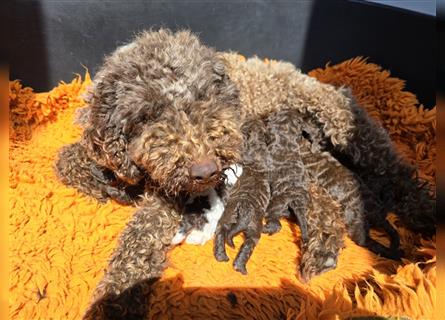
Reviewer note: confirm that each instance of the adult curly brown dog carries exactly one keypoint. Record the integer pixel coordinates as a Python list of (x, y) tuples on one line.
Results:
[(164, 115)]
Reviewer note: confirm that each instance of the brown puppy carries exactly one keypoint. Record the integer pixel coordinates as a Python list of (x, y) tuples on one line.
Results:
[(278, 173)]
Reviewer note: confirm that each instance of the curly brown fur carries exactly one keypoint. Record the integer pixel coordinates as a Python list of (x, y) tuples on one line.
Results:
[(165, 102), (323, 169), (355, 139), (325, 234), (75, 168), (360, 206), (286, 174), (157, 106), (275, 147), (139, 258), (288, 163), (243, 213), (245, 208), (273, 168)]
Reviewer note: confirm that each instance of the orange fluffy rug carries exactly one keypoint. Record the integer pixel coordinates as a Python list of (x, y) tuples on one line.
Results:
[(60, 240)]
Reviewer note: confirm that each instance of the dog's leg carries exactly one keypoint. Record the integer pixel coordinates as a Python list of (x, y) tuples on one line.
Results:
[(394, 251), (361, 207), (381, 250), (252, 236), (244, 213), (341, 184), (278, 208), (295, 199), (138, 260), (376, 217), (354, 217), (299, 209), (74, 168), (325, 234)]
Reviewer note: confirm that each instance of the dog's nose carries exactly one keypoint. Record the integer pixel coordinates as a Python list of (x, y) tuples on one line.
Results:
[(203, 169)]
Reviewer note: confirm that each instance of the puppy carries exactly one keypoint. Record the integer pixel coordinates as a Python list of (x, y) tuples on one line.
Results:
[(282, 168)]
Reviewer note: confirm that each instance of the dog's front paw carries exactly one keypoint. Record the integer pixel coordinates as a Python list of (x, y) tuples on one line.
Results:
[(272, 226)]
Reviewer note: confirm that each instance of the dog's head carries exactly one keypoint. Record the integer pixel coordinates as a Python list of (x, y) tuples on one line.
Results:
[(187, 150), (164, 106)]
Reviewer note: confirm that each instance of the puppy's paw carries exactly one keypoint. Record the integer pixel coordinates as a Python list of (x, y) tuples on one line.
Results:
[(240, 266), (118, 195), (245, 217), (315, 265), (219, 245), (240, 216), (272, 226), (246, 251)]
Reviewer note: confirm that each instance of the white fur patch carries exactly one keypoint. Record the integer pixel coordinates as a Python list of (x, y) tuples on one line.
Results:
[(233, 174), (178, 238), (213, 214)]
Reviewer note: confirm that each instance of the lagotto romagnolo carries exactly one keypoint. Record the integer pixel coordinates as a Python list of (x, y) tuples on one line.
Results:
[(162, 123)]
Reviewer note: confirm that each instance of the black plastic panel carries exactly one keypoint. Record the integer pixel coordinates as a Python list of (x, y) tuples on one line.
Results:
[(51, 40)]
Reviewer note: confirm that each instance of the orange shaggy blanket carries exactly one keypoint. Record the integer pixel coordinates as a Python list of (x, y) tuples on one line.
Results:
[(60, 240)]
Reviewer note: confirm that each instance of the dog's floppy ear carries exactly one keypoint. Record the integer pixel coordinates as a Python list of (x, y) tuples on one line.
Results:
[(108, 147), (103, 137)]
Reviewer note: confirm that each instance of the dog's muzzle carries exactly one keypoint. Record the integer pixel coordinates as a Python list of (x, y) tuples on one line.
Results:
[(204, 170)]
